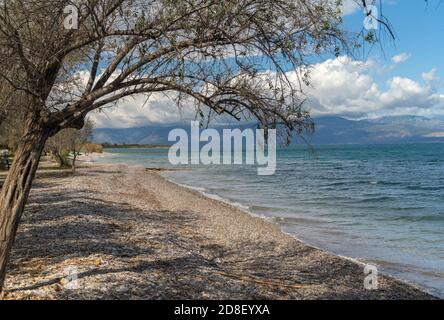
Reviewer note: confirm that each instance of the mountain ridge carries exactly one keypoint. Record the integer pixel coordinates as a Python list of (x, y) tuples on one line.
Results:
[(329, 130)]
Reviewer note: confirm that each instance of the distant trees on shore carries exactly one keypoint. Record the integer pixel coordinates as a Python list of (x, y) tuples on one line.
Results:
[(90, 148), (133, 146), (66, 145)]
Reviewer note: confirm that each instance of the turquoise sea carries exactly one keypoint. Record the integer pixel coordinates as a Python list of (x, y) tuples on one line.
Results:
[(381, 204)]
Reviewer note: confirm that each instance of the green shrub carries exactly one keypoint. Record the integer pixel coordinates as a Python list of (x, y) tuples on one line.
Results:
[(93, 148)]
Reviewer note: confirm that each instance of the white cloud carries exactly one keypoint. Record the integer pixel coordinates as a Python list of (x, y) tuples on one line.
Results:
[(430, 76), (350, 7), (432, 79), (137, 111), (400, 58), (343, 87)]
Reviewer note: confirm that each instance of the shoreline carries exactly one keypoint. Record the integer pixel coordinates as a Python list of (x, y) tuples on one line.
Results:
[(240, 255), (245, 209), (405, 272)]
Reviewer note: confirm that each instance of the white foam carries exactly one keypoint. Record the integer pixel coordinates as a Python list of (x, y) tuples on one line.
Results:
[(205, 193), (189, 187), (274, 220), (232, 203)]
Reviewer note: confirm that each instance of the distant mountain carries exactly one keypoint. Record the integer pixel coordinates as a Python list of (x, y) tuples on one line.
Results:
[(329, 130), (155, 134)]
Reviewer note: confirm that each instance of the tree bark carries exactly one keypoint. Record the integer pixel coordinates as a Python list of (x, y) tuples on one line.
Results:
[(17, 186), (60, 159), (74, 161), (2, 117)]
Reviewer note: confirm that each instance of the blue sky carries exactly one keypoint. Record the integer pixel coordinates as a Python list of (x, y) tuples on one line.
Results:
[(398, 77), (419, 29)]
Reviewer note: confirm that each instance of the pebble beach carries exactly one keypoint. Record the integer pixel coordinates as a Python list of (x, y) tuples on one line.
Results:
[(128, 233)]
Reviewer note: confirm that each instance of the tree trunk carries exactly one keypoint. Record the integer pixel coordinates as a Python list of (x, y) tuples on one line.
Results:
[(60, 159), (17, 186), (74, 158), (2, 117)]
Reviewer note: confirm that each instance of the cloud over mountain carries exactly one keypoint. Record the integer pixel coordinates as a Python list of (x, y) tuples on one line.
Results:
[(347, 87), (341, 87)]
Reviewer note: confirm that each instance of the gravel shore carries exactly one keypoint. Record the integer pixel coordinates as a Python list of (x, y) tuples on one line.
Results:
[(130, 234)]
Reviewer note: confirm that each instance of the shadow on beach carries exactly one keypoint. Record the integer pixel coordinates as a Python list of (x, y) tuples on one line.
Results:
[(123, 252)]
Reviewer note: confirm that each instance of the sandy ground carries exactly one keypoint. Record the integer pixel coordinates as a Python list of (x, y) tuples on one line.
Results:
[(127, 233)]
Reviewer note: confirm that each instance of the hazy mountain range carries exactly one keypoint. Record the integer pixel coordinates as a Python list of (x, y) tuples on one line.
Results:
[(329, 130)]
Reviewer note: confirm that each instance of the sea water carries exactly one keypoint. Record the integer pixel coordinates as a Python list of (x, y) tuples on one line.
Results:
[(381, 204)]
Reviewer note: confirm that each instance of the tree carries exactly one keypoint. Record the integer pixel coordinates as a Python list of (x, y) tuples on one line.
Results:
[(11, 130), (80, 140), (11, 117), (67, 142), (60, 144), (8, 97), (227, 57), (11, 101)]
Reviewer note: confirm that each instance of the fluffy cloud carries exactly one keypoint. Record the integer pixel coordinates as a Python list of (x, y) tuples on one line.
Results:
[(345, 87), (140, 111), (400, 58), (432, 79), (342, 86), (349, 7), (352, 6)]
